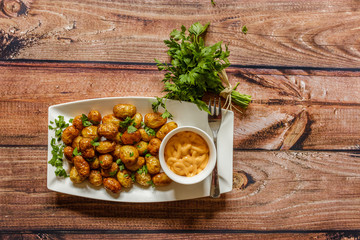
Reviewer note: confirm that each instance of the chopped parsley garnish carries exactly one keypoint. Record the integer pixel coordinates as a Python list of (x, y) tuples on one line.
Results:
[(133, 177), (95, 142), (151, 183), (131, 129), (59, 127), (131, 154), (121, 164), (127, 122), (126, 175), (148, 155), (76, 152), (244, 29), (149, 131), (85, 121), (113, 173), (142, 170), (159, 102), (118, 162)]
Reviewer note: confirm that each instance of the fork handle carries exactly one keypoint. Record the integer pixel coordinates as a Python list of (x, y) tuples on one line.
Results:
[(215, 187)]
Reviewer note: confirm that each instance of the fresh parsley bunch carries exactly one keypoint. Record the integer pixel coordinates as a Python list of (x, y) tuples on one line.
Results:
[(195, 68)]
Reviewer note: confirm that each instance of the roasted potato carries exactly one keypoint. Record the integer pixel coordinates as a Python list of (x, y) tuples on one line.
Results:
[(154, 146), (154, 120), (95, 178), (94, 117), (116, 152), (152, 164), (90, 132), (112, 184), (85, 143), (68, 153), (82, 166), (69, 134), (130, 138), (106, 161), (137, 120), (144, 136), (108, 130), (142, 147), (77, 122), (75, 177), (124, 110), (144, 179), (76, 142), (95, 163), (165, 129), (105, 147), (139, 163), (88, 153), (161, 179), (124, 177), (128, 154), (110, 172), (117, 138), (111, 119)]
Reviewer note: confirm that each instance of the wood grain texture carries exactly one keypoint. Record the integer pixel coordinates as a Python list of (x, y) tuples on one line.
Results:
[(288, 191), (290, 109), (281, 33)]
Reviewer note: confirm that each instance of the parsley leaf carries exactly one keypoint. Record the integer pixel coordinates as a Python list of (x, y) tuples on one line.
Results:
[(244, 29), (148, 155), (151, 183), (159, 102), (133, 177), (95, 142), (131, 129), (213, 2), (85, 121), (149, 131), (142, 170), (113, 173), (127, 122), (131, 154), (76, 152), (126, 175)]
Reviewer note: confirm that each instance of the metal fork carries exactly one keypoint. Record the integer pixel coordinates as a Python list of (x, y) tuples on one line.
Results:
[(214, 120)]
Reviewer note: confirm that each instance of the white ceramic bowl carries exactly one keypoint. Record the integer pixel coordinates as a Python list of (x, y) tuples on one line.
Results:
[(204, 173)]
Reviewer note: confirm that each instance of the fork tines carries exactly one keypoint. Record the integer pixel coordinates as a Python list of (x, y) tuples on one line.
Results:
[(213, 110)]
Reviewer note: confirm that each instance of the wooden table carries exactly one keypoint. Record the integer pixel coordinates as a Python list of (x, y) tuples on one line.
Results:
[(297, 144)]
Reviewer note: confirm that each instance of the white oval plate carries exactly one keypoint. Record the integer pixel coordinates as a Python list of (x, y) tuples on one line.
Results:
[(185, 114)]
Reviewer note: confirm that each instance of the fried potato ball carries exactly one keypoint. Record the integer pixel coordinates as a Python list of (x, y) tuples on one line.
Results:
[(69, 134), (85, 143), (142, 147), (77, 122), (165, 129), (95, 178), (105, 147), (128, 154), (90, 132), (94, 117), (112, 184), (137, 120), (154, 146), (88, 153), (111, 119), (108, 130), (106, 161), (154, 120), (68, 153), (144, 179), (152, 164), (130, 138), (110, 172), (139, 163), (161, 179), (76, 142), (75, 177), (117, 138), (124, 178), (116, 152), (82, 166), (144, 136), (95, 163), (124, 110)]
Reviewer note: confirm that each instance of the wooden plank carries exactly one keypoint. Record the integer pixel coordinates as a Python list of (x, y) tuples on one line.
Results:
[(290, 110), (286, 191), (281, 33)]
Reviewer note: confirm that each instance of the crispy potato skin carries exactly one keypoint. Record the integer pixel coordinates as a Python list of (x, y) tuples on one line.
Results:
[(165, 129), (69, 134), (130, 138), (106, 161), (143, 179), (90, 132), (152, 164), (139, 163), (95, 178), (82, 166), (161, 179), (154, 120), (75, 177), (105, 147), (110, 172), (128, 154), (154, 146), (85, 143), (144, 136), (95, 164), (94, 117), (76, 142), (112, 184), (77, 122), (108, 130), (142, 147), (116, 152), (124, 178), (68, 153), (137, 120), (124, 110), (111, 119)]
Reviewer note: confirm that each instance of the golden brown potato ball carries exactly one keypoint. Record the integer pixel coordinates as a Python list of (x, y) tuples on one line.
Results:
[(161, 179), (85, 143), (139, 163), (154, 146), (95, 178), (90, 132), (152, 164), (82, 166), (106, 161), (116, 152), (128, 154), (108, 130), (112, 184), (77, 122), (165, 129), (105, 147), (124, 110), (110, 172), (94, 163), (76, 143), (130, 138), (111, 119), (144, 136), (69, 134), (117, 138), (68, 153), (94, 117), (154, 120), (124, 178), (88, 153), (142, 147), (137, 120), (144, 179), (75, 177)]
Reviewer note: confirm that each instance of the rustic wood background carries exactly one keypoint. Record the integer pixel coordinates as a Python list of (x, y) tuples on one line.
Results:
[(298, 143)]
